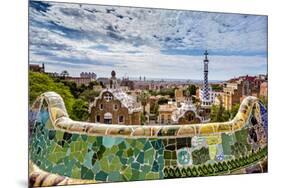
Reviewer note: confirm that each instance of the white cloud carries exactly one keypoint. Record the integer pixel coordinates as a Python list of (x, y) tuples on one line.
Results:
[(131, 40)]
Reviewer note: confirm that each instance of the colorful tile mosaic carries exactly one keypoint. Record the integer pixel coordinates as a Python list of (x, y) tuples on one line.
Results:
[(81, 151)]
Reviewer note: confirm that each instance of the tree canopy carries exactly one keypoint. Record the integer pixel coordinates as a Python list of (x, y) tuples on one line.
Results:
[(80, 110), (192, 89), (40, 83)]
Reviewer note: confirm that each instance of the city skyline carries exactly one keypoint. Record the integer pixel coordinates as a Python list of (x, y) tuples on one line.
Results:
[(155, 43)]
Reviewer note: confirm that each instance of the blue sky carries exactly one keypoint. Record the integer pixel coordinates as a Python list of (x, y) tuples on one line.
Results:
[(155, 43)]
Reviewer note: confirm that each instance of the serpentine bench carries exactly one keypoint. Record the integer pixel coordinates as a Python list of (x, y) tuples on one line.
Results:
[(63, 151)]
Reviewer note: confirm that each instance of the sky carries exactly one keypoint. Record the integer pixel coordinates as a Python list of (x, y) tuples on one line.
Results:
[(155, 43)]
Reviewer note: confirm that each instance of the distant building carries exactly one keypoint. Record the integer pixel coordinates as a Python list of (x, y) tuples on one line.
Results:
[(165, 113), (236, 89), (91, 75), (173, 113), (263, 89), (79, 80), (183, 111), (142, 85), (126, 82), (153, 100), (37, 68), (103, 81), (179, 97), (114, 106), (85, 78), (186, 114)]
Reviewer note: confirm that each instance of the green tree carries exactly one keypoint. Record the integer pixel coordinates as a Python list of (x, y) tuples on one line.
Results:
[(64, 74), (89, 95), (154, 109), (80, 110), (72, 86), (143, 119), (153, 92), (234, 110), (215, 113), (217, 87), (92, 84), (225, 115), (40, 83), (192, 89), (143, 98), (219, 114), (167, 91), (162, 100)]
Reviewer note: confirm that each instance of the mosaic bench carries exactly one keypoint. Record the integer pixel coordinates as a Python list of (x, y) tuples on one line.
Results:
[(63, 151)]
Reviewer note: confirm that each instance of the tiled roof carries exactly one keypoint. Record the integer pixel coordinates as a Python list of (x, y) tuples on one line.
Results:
[(126, 100)]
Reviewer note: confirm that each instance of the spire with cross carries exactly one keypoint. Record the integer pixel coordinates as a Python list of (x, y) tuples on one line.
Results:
[(206, 94)]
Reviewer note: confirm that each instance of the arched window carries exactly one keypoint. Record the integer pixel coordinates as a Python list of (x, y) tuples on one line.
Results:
[(98, 118), (121, 119), (107, 118), (190, 117)]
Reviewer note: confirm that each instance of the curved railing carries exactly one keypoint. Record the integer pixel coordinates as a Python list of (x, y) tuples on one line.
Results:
[(102, 152), (61, 121)]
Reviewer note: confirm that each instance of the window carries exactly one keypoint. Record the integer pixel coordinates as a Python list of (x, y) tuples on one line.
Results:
[(169, 119), (108, 97), (101, 106), (98, 119), (190, 117), (107, 118), (115, 107), (162, 119), (121, 119)]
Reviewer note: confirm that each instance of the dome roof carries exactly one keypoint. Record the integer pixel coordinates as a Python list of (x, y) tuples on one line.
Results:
[(113, 73)]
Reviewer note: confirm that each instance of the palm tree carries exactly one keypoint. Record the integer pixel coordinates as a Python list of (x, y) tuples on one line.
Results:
[(143, 98), (64, 74)]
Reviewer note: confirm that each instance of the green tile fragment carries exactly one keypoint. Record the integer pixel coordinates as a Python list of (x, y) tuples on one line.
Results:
[(140, 157), (101, 176), (114, 176), (127, 173), (135, 165), (86, 173)]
